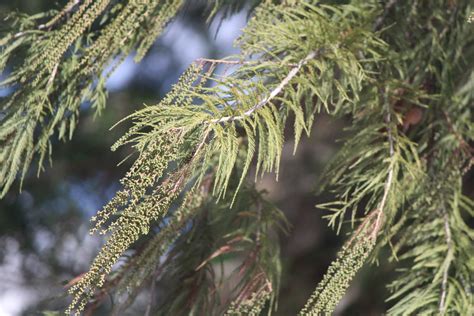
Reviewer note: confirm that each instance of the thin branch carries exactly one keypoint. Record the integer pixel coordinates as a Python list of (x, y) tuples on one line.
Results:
[(185, 170), (463, 144), (378, 23), (152, 292), (389, 180), (362, 227), (53, 75), (201, 145), (294, 71), (52, 22), (68, 9), (259, 219), (444, 284), (236, 62), (23, 33), (225, 62)]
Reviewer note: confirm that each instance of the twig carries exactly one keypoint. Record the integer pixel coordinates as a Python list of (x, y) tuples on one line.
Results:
[(259, 219), (444, 284), (184, 171), (19, 34), (235, 62), (53, 74), (198, 149), (223, 61), (463, 144), (152, 292), (294, 71), (362, 227), (380, 19), (389, 180), (69, 7)]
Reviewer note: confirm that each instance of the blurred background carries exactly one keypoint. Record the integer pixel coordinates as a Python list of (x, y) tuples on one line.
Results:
[(44, 240)]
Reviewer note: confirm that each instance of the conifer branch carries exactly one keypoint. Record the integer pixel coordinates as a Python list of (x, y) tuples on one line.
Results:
[(50, 85), (275, 92), (211, 128)]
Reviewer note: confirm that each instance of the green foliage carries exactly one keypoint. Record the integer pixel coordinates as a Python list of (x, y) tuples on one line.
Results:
[(63, 66), (229, 7), (440, 247), (214, 123), (433, 237), (247, 110), (402, 75)]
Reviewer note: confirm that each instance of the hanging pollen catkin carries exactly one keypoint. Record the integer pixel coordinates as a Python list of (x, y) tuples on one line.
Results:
[(63, 69), (338, 278), (142, 201)]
